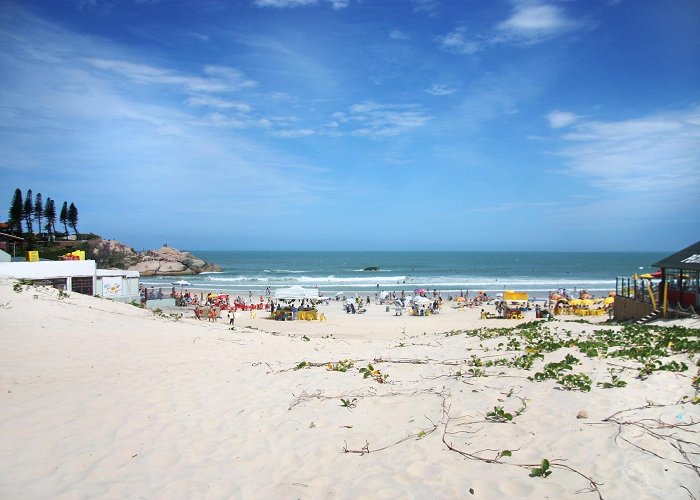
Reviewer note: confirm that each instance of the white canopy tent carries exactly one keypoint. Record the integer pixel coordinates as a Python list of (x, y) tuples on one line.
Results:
[(421, 300), (296, 292)]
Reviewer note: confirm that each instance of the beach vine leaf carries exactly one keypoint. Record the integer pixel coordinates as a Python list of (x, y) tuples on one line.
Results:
[(542, 470)]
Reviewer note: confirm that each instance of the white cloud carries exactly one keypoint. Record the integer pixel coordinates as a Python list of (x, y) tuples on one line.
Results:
[(560, 119), (384, 120), (658, 155), (284, 3), (457, 42), (440, 89), (398, 35), (287, 4), (535, 21), (531, 22), (429, 7), (217, 79), (293, 133), (215, 102)]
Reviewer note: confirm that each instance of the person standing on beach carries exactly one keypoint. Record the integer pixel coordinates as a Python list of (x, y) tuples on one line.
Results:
[(230, 315)]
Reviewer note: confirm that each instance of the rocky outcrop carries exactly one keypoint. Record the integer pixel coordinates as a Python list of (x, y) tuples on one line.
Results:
[(169, 261), (165, 261)]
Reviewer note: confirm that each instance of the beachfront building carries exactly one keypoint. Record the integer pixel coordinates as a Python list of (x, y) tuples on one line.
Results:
[(81, 276), (680, 279), (671, 292)]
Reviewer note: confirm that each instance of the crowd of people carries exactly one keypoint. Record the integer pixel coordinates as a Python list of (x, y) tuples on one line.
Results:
[(423, 303)]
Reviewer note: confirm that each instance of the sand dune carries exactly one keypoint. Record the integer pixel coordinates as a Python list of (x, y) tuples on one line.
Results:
[(106, 399)]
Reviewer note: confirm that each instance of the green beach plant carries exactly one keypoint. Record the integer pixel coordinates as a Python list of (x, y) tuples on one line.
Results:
[(370, 371), (17, 287), (340, 366), (541, 471), (615, 380), (575, 382), (499, 415), (348, 403)]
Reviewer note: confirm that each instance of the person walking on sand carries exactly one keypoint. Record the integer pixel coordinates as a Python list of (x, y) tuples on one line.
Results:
[(198, 312), (230, 316), (212, 314)]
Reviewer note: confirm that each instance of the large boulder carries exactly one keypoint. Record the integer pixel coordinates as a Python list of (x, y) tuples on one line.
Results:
[(165, 261), (170, 261), (160, 267)]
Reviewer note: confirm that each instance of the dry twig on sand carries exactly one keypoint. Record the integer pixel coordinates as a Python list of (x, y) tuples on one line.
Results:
[(680, 436)]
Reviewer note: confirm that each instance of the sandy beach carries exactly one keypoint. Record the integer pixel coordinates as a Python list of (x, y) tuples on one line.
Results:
[(104, 399)]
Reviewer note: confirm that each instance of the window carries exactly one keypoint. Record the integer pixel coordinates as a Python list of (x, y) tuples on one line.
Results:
[(82, 285), (59, 283)]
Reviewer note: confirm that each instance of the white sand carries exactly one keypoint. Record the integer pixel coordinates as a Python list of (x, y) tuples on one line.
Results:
[(104, 399)]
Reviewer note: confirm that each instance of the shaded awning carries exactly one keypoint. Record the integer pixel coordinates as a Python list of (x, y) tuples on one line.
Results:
[(688, 258)]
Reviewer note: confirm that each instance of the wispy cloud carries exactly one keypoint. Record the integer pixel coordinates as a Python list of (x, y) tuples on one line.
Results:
[(382, 120), (80, 110), (658, 155), (560, 119), (399, 35), (293, 133), (440, 89), (287, 4), (215, 78), (530, 22), (457, 41), (216, 102), (429, 7)]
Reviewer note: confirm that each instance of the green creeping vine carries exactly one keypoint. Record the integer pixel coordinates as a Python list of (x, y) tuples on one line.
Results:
[(542, 470), (498, 415), (615, 380)]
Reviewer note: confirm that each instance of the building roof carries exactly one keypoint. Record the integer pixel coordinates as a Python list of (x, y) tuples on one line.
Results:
[(11, 237), (688, 258)]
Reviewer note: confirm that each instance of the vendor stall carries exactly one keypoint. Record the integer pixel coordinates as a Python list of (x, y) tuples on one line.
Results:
[(514, 303)]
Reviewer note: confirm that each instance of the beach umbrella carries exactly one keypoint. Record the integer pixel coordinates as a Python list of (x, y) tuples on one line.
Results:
[(609, 300), (586, 302), (576, 302), (461, 299), (181, 283), (418, 291)]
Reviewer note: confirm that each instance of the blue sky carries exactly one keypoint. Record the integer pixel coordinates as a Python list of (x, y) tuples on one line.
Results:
[(358, 124)]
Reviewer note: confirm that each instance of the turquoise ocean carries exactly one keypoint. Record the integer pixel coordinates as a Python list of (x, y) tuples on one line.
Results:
[(450, 272)]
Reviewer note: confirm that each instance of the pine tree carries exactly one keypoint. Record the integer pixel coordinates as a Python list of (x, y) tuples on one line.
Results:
[(63, 217), (16, 212), (73, 218), (38, 210), (28, 211), (50, 214)]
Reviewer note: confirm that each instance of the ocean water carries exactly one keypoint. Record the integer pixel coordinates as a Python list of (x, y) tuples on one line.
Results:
[(450, 272)]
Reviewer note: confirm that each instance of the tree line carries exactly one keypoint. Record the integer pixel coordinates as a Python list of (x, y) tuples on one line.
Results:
[(30, 209)]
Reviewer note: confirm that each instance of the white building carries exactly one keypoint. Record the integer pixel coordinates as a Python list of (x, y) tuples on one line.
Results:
[(81, 276)]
